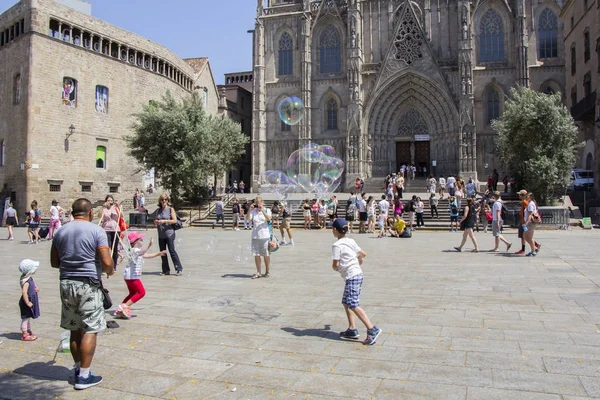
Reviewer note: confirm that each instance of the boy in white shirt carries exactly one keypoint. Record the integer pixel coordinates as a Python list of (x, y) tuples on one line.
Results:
[(347, 258)]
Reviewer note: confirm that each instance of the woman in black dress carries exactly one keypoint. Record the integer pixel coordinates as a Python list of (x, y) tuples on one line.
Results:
[(469, 218)]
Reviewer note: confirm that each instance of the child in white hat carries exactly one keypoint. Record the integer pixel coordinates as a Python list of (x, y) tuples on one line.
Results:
[(133, 272), (29, 303)]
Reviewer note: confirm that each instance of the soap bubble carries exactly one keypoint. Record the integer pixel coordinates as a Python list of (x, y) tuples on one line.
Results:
[(291, 110), (210, 244), (241, 253)]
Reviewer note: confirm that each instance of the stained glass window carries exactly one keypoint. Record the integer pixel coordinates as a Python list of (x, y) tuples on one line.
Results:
[(548, 34), (491, 38), (332, 114), (286, 54), (102, 99), (493, 106), (330, 51), (69, 92), (412, 123)]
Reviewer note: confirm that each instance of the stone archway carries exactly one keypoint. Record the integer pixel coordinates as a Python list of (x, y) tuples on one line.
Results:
[(413, 94)]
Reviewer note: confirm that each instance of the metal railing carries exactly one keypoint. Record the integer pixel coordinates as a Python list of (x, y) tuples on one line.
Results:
[(555, 216)]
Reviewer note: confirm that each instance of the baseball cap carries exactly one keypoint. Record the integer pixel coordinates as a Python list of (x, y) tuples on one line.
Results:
[(133, 236), (339, 224), (28, 266), (522, 192)]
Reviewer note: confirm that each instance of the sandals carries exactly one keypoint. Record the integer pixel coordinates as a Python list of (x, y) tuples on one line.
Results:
[(474, 251), (267, 275), (26, 337), (458, 249), (256, 276)]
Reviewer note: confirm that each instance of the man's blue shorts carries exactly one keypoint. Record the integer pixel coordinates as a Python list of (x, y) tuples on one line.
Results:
[(352, 291)]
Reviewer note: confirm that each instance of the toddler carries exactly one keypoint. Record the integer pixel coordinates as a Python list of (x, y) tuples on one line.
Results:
[(29, 303), (347, 258), (133, 272)]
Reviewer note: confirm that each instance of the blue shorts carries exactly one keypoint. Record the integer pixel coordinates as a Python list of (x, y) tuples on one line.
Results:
[(352, 291)]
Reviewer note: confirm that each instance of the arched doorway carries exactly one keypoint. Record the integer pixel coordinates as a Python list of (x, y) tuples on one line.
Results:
[(412, 115), (412, 141)]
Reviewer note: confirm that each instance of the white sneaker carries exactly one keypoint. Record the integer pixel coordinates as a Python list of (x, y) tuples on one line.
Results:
[(291, 242), (283, 243)]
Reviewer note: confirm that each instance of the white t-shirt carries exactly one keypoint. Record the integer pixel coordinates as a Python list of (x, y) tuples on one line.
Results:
[(133, 269), (496, 209), (260, 223), (322, 210), (419, 207), (442, 181), (531, 208), (384, 207), (54, 212), (362, 205), (345, 250), (451, 181)]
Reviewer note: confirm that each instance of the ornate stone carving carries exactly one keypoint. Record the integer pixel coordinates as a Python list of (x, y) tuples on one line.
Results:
[(409, 39)]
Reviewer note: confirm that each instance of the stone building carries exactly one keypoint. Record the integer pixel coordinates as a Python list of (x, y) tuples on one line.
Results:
[(582, 55), (388, 82), (235, 101), (69, 84)]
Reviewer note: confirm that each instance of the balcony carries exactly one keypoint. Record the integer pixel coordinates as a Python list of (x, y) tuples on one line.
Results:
[(585, 109)]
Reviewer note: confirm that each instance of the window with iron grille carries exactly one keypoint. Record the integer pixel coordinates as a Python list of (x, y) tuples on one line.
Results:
[(55, 188)]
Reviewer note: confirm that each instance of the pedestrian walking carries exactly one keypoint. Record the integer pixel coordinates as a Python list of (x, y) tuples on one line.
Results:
[(55, 213), (109, 220), (34, 217), (10, 219), (235, 215), (468, 219), (497, 223), (347, 258), (433, 203), (220, 213), (532, 218), (521, 231), (75, 249), (286, 221)]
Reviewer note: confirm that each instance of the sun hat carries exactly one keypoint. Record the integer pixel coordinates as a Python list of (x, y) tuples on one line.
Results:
[(134, 236), (523, 192), (28, 266)]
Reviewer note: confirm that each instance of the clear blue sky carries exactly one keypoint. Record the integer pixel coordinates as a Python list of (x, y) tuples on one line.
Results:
[(189, 28)]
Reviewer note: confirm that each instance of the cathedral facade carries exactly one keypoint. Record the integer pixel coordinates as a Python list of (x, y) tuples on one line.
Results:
[(392, 82)]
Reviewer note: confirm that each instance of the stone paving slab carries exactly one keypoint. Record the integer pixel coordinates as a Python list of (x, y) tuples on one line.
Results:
[(455, 326)]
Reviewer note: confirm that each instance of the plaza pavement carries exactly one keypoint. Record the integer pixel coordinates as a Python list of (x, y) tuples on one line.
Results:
[(455, 325)]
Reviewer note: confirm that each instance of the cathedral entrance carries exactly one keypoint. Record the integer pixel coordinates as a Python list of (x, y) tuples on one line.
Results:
[(416, 153)]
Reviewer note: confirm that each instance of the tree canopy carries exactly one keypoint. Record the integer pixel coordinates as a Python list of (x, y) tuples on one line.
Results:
[(184, 144), (537, 141)]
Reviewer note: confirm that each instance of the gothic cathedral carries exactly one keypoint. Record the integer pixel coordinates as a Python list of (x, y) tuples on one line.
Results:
[(392, 82)]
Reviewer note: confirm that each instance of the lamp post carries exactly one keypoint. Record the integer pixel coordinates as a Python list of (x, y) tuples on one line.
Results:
[(71, 132)]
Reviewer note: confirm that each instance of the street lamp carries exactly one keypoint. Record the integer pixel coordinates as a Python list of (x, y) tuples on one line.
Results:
[(71, 132)]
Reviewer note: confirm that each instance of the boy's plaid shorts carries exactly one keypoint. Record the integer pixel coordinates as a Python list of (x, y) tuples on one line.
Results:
[(352, 291)]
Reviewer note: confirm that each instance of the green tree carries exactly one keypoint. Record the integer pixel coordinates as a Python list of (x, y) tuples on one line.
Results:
[(226, 145), (177, 138), (537, 141)]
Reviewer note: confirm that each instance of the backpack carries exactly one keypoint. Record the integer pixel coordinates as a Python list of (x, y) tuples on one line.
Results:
[(37, 217), (503, 212), (453, 208)]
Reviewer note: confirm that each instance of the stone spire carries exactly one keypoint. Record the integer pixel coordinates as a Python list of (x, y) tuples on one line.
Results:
[(259, 113), (522, 44), (357, 144), (468, 144)]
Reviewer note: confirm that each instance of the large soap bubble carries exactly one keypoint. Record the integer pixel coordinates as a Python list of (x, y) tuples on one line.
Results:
[(291, 110), (311, 169)]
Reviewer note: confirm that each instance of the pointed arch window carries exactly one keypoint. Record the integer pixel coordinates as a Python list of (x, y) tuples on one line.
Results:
[(286, 55), (491, 38), (412, 123), (331, 115), (548, 34), (330, 51), (493, 106)]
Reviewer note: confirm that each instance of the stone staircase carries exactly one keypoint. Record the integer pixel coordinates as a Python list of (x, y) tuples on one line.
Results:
[(431, 224)]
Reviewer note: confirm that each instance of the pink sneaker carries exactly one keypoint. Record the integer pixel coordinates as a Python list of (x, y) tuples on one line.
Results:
[(125, 311)]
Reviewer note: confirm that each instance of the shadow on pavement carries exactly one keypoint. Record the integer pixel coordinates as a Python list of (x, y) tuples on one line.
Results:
[(326, 331), (37, 380), (12, 335), (244, 276)]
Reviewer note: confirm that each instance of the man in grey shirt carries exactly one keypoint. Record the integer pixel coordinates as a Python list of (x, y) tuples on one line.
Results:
[(220, 213), (80, 251)]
